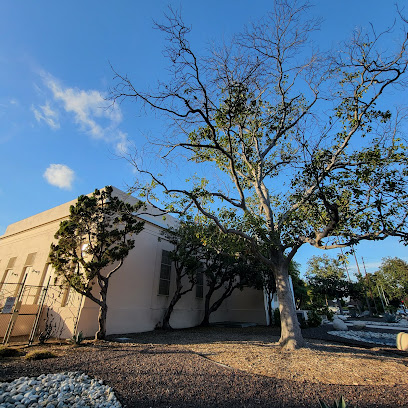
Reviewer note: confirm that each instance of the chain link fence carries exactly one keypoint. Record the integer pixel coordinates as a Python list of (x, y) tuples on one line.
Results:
[(31, 313)]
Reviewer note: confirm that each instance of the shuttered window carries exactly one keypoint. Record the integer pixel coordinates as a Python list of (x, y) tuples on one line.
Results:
[(165, 272)]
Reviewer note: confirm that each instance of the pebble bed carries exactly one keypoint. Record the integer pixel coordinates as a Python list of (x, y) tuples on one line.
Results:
[(388, 339), (62, 390)]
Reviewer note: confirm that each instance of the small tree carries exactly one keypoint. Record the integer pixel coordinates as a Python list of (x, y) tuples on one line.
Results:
[(225, 273), (96, 236), (392, 277), (327, 277), (186, 259)]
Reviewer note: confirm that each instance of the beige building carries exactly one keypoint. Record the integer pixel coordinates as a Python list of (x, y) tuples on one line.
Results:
[(138, 293)]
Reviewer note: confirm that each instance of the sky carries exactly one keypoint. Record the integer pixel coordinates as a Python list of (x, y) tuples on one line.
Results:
[(58, 136)]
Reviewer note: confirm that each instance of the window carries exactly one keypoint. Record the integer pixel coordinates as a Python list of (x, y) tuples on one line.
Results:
[(9, 282), (9, 276), (28, 266), (200, 284), (165, 271)]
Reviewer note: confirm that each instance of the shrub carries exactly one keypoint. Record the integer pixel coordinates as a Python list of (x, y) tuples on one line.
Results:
[(313, 319), (40, 355), (78, 338), (9, 352), (337, 404), (390, 318), (329, 313)]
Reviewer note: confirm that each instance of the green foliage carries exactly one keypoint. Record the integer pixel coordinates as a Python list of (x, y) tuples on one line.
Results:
[(341, 403), (9, 352), (93, 243), (40, 355), (326, 311), (327, 277), (390, 318), (78, 338), (313, 319), (392, 277), (300, 287)]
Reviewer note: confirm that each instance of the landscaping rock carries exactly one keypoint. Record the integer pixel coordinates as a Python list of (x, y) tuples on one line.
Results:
[(402, 341), (338, 324), (58, 390)]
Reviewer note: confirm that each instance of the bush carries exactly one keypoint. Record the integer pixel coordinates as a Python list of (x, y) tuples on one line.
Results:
[(40, 355), (390, 318), (337, 404), (313, 319), (9, 352), (78, 338), (329, 313)]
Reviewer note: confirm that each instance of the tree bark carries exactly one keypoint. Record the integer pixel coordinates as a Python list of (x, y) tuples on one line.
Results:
[(291, 335), (206, 319), (166, 319), (103, 311)]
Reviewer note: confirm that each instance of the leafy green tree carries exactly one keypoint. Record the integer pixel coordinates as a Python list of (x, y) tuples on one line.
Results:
[(186, 256), (227, 266), (93, 244), (290, 146), (392, 277), (327, 277)]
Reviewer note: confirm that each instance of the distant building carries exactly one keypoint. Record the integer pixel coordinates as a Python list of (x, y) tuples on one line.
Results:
[(137, 297)]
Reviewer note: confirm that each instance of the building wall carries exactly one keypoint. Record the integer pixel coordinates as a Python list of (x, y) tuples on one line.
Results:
[(133, 301)]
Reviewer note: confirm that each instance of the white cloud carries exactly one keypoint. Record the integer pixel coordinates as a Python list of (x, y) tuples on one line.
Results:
[(60, 175), (90, 110), (48, 115), (122, 144)]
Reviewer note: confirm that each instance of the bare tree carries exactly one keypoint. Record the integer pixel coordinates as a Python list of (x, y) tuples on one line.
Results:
[(301, 149)]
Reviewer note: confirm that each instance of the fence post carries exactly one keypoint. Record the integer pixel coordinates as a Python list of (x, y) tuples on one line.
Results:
[(39, 311)]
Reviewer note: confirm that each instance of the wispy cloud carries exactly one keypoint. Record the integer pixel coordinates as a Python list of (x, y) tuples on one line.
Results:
[(88, 108), (48, 115), (60, 175), (122, 144)]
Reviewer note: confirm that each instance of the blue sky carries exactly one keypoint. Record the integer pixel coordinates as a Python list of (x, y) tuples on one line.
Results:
[(58, 140)]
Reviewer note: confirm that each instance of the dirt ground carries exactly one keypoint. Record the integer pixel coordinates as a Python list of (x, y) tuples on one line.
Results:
[(253, 350)]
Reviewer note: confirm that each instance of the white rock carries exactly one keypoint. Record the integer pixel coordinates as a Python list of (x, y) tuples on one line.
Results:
[(339, 325)]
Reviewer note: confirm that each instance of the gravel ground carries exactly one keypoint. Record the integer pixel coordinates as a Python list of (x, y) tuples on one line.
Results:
[(154, 375)]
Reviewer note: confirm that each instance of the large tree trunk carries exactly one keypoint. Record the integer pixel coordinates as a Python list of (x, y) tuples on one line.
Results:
[(291, 335), (103, 311)]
